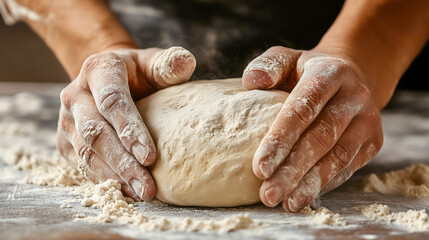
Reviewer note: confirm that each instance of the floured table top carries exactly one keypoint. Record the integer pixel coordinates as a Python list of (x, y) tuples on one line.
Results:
[(34, 212)]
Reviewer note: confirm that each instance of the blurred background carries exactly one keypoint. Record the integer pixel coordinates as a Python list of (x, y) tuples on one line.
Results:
[(24, 57)]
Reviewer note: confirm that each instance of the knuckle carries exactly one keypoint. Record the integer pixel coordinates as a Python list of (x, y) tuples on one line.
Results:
[(343, 156), (324, 135), (365, 94), (100, 60), (345, 174), (65, 98), (379, 142), (91, 63), (91, 133), (276, 49), (111, 98), (63, 123), (304, 109), (86, 157)]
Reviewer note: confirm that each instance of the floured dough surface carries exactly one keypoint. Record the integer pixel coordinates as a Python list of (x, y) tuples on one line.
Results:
[(206, 133), (412, 181)]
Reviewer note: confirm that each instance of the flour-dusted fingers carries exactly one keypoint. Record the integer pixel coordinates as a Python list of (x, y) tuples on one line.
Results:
[(168, 67), (332, 163), (367, 152), (271, 69), (321, 79), (89, 132), (105, 75), (319, 138), (91, 171), (95, 134), (113, 98)]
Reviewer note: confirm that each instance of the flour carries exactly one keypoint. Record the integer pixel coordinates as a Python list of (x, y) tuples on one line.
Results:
[(20, 104), (23, 128), (163, 63), (412, 181), (273, 65), (46, 167), (108, 197), (323, 216), (413, 220)]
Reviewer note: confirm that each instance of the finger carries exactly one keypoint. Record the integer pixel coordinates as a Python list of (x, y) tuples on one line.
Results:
[(95, 169), (320, 81), (335, 161), (94, 133), (319, 138), (367, 152), (168, 67), (270, 69), (107, 78)]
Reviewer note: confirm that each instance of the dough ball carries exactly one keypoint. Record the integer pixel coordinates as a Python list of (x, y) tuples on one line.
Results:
[(206, 133)]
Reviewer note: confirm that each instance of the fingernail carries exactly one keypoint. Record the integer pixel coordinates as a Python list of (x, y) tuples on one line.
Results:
[(137, 187), (292, 205), (141, 152), (273, 195), (266, 169)]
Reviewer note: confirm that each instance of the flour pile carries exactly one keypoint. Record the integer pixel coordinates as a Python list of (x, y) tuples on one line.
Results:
[(49, 168), (46, 167), (412, 181), (116, 208), (323, 216), (412, 219)]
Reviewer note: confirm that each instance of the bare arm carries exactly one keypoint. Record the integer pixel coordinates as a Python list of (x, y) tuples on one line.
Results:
[(100, 130), (330, 125), (382, 36), (77, 29)]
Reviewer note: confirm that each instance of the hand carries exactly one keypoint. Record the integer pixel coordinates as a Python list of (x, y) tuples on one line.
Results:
[(328, 128), (100, 129)]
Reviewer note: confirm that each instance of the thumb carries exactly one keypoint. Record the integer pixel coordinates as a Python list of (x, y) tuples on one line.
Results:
[(167, 67), (271, 69)]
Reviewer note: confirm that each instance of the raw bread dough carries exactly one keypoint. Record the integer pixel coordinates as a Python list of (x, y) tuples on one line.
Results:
[(206, 133)]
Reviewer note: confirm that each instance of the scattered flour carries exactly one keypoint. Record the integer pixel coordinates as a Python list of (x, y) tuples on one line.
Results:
[(9, 129), (116, 208), (413, 220), (21, 103), (46, 167), (49, 168), (323, 216), (412, 181)]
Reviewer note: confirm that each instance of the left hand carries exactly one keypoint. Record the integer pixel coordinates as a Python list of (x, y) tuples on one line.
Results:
[(328, 128)]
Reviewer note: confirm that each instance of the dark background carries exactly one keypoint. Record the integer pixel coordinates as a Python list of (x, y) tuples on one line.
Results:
[(25, 58)]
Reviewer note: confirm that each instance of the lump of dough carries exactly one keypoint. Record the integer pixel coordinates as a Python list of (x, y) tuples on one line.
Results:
[(206, 133)]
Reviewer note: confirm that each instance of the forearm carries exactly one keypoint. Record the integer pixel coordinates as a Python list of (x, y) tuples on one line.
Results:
[(76, 29), (382, 37)]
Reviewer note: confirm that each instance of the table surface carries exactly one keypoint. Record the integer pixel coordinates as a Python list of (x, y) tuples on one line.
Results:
[(33, 212)]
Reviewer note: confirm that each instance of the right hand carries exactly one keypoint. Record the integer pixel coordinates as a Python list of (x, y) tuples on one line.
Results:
[(100, 130)]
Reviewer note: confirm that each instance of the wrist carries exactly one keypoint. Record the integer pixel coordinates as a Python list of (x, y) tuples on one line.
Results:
[(77, 29), (367, 74)]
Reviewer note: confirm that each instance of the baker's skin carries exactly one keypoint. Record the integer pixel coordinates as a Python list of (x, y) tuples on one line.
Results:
[(330, 124), (329, 127)]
